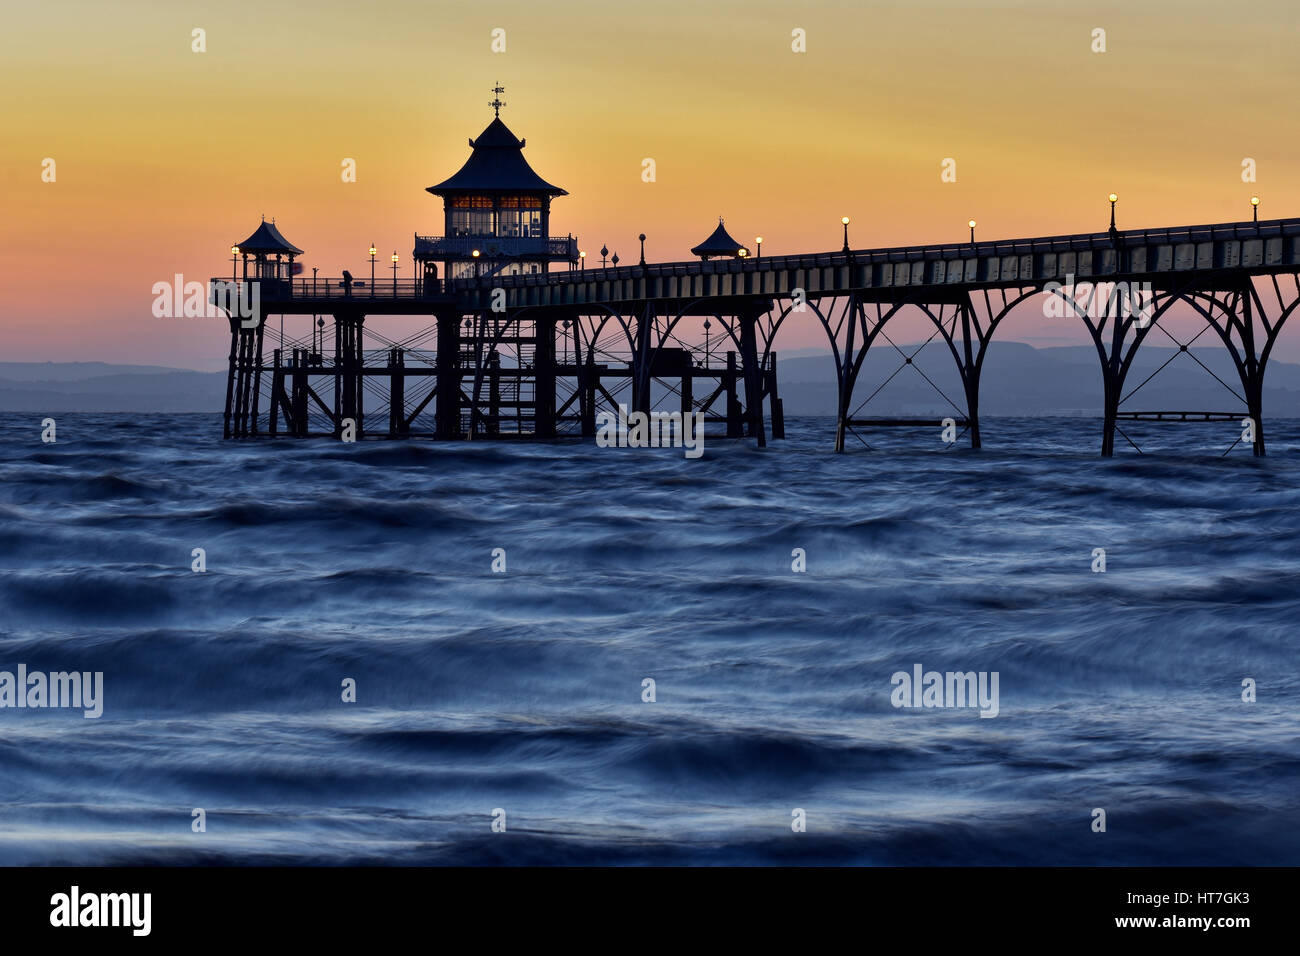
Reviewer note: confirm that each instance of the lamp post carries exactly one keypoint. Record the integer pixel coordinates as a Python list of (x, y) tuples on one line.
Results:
[(582, 260), (971, 223), (614, 260), (567, 323), (604, 251), (642, 238), (394, 273), (743, 253), (758, 242), (234, 257), (373, 251), (707, 326), (845, 220), (1113, 199), (1254, 209)]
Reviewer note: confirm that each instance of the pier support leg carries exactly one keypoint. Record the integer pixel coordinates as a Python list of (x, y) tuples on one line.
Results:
[(494, 394), (1255, 406), (643, 361), (257, 376), (590, 386), (1248, 324), (1110, 411), (1113, 377), (241, 384), (447, 409), (544, 377), (277, 389), (353, 391), (227, 431), (970, 375), (1252, 376), (968, 333), (299, 398), (774, 399), (847, 376), (753, 379), (360, 372), (735, 424), (396, 393), (241, 400)]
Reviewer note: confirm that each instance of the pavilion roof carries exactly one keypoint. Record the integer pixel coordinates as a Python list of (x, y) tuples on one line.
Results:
[(496, 164), (266, 239), (720, 243)]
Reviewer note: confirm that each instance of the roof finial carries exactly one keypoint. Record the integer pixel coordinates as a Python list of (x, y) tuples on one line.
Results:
[(719, 220), (496, 103), (263, 217)]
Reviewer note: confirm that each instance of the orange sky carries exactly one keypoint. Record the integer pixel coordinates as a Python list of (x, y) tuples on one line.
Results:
[(165, 156)]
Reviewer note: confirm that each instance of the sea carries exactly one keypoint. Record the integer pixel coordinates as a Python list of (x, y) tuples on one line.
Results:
[(478, 653)]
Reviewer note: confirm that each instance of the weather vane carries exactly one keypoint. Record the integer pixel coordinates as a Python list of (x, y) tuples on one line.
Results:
[(496, 103)]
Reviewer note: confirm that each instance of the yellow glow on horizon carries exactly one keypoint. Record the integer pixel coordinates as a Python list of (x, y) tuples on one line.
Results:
[(164, 156)]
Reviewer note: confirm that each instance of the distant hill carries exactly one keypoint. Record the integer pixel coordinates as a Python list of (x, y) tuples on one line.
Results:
[(73, 371), (1017, 380), (100, 387)]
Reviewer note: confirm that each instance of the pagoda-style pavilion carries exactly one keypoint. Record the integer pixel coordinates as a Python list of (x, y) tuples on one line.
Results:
[(720, 245), (272, 254), (497, 213)]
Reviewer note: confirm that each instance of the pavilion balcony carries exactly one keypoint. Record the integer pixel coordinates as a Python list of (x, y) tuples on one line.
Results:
[(492, 247)]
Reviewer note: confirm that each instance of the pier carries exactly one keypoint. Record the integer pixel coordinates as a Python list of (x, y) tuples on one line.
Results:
[(527, 338)]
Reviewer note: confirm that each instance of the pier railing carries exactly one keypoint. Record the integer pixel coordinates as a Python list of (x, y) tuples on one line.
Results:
[(1231, 245), (1081, 242), (336, 287)]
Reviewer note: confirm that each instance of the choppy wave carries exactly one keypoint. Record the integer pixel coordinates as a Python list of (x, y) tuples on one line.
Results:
[(522, 690)]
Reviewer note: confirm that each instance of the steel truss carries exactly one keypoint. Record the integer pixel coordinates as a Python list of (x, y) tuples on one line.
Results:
[(548, 371)]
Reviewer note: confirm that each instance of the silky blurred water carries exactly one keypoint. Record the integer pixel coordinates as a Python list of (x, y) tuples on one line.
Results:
[(522, 691)]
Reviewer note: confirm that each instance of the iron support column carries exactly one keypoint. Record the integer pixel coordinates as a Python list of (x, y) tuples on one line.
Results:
[(778, 410), (846, 379), (735, 424), (970, 378), (1253, 381), (230, 376), (544, 377), (753, 378), (447, 410)]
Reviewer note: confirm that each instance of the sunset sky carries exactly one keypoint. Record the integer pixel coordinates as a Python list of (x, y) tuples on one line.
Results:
[(165, 157)]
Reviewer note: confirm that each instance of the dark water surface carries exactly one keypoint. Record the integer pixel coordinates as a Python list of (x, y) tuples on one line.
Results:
[(522, 690)]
